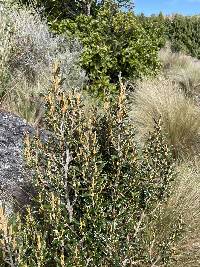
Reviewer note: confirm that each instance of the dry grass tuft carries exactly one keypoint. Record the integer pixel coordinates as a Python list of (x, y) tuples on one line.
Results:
[(186, 197), (179, 114), (183, 69), (185, 201)]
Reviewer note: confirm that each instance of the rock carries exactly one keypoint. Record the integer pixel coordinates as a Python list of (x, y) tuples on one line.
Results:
[(12, 172)]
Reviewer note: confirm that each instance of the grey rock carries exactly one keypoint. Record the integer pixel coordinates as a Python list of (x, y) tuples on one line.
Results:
[(12, 171)]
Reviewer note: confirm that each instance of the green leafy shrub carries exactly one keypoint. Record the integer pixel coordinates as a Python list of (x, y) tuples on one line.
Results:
[(184, 35), (114, 42), (100, 199), (158, 23)]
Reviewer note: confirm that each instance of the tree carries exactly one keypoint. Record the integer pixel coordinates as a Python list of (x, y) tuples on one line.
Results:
[(63, 9)]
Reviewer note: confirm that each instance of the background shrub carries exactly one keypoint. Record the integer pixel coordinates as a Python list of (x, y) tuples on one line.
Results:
[(27, 54), (158, 23), (57, 10), (183, 33)]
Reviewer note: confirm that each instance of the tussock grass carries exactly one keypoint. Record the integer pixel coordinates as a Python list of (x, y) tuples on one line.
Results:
[(179, 114), (185, 201), (165, 98), (186, 197), (183, 69)]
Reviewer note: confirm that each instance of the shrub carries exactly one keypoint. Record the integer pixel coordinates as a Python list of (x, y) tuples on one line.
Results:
[(29, 50), (181, 31), (180, 115), (114, 42), (100, 198), (158, 23), (5, 51)]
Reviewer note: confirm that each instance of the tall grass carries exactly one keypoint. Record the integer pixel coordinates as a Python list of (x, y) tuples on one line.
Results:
[(186, 201), (183, 69), (165, 98), (179, 114)]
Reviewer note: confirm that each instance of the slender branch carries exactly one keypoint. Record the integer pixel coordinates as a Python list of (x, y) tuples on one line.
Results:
[(66, 168)]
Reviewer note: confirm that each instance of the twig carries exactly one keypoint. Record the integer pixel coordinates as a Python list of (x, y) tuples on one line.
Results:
[(66, 168)]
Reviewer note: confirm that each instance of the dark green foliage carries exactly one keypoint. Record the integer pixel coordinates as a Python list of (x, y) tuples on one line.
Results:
[(159, 26), (184, 34), (70, 9), (114, 42), (59, 9)]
